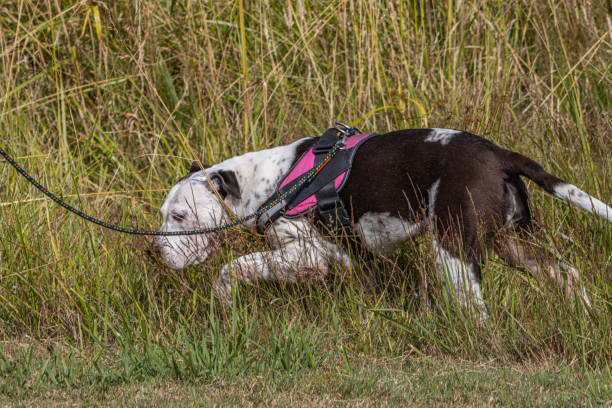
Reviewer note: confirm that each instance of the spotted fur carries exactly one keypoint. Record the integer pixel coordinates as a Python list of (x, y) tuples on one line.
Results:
[(463, 190)]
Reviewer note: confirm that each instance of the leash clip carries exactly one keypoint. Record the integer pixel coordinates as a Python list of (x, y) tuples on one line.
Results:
[(345, 129)]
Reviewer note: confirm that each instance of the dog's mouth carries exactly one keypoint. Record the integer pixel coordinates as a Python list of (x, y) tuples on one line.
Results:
[(185, 253)]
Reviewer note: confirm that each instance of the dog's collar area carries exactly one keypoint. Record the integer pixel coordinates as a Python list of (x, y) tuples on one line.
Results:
[(321, 193)]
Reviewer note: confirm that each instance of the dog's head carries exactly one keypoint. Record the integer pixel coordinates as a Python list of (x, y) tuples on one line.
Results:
[(193, 204)]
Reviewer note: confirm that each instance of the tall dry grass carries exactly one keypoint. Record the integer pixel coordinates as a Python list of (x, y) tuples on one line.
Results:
[(108, 102)]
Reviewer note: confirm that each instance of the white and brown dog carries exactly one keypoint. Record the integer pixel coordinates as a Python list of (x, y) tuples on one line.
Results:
[(463, 189)]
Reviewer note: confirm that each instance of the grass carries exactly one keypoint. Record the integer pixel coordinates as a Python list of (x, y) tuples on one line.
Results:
[(109, 102), (370, 382)]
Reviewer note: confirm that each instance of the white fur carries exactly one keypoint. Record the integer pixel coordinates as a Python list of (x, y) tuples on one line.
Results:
[(182, 251), (383, 233), (258, 174), (461, 274), (442, 136), (432, 193), (576, 196), (300, 252), (572, 272)]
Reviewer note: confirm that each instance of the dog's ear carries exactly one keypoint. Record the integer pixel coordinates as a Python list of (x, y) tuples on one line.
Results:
[(197, 166), (227, 183)]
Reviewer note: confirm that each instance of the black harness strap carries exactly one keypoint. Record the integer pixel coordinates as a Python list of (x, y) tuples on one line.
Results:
[(330, 207)]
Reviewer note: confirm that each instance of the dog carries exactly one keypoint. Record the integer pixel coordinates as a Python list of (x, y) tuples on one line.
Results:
[(464, 190)]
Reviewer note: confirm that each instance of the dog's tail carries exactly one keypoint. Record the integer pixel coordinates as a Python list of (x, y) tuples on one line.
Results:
[(519, 164)]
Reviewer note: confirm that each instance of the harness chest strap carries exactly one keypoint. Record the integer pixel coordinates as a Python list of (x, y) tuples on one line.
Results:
[(330, 207), (322, 191)]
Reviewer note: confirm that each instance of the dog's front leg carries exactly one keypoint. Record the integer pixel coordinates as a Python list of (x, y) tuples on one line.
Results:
[(289, 263)]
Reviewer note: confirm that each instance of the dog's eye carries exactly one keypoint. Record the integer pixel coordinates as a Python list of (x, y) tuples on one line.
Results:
[(178, 217)]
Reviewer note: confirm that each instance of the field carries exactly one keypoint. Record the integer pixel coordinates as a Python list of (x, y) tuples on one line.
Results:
[(108, 102)]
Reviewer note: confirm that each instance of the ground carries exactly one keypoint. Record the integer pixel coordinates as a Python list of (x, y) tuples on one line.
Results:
[(410, 381)]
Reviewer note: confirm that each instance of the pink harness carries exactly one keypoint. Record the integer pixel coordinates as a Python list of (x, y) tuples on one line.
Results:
[(320, 193), (306, 163)]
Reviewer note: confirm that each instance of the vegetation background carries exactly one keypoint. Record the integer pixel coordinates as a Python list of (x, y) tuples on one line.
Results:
[(107, 102)]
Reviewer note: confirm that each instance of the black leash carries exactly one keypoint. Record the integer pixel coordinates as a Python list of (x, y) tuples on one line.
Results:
[(306, 178)]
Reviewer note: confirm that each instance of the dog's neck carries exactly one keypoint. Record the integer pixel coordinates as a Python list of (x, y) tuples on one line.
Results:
[(258, 174)]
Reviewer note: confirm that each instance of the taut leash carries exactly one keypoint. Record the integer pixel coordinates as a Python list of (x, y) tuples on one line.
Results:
[(306, 178)]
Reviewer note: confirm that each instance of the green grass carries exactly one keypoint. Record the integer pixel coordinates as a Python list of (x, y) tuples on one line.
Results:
[(108, 106), (374, 382)]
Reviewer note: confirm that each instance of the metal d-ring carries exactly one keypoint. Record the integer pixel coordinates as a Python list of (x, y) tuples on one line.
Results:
[(345, 129)]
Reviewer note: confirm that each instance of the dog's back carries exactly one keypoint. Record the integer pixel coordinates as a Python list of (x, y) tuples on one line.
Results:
[(393, 173)]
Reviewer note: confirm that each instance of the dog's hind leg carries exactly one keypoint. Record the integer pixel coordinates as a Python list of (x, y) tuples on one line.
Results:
[(515, 245), (522, 253)]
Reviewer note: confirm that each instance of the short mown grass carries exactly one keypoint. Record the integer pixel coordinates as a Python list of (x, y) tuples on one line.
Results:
[(107, 103)]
